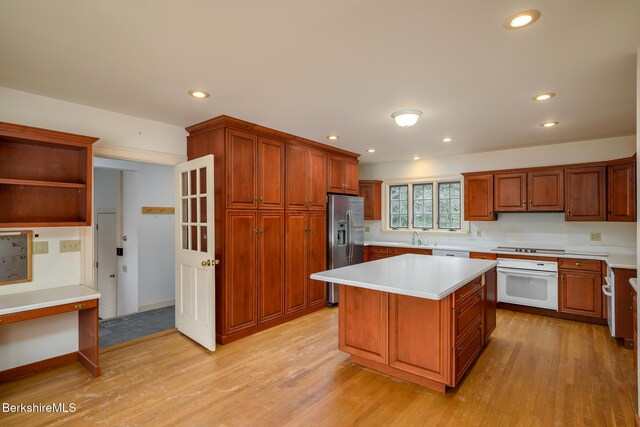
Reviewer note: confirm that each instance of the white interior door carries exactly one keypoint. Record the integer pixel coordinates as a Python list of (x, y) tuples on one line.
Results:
[(195, 264), (107, 265)]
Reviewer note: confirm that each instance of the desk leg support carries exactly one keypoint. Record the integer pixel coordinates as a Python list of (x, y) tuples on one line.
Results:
[(88, 340)]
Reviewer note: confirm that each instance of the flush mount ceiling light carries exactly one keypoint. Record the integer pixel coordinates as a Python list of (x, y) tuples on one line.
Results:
[(544, 96), (406, 118), (521, 19), (371, 150), (416, 158), (549, 124), (447, 139), (198, 93), (333, 137)]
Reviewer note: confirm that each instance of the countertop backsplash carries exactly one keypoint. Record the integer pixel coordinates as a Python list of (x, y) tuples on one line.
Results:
[(541, 230)]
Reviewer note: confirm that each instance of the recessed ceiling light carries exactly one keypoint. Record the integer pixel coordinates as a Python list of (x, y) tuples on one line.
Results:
[(406, 118), (521, 19), (549, 124), (447, 139), (333, 137), (198, 93), (544, 96), (416, 158), (371, 150)]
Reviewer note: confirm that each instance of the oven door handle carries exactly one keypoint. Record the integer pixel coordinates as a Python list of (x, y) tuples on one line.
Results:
[(606, 289), (527, 272)]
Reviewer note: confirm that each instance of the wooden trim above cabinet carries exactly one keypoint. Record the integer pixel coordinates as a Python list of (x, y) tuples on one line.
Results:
[(224, 121)]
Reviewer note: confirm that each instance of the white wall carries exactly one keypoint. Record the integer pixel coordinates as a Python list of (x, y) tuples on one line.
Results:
[(26, 342), (519, 228), (106, 189)]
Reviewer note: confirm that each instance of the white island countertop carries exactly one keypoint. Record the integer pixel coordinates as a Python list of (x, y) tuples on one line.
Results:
[(414, 275), (42, 298)]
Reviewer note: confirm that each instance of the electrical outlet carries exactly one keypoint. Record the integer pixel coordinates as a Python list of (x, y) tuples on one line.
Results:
[(595, 237), (40, 248), (367, 229), (124, 268), (69, 245)]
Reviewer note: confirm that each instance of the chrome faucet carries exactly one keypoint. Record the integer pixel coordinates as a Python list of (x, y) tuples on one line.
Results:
[(413, 238)]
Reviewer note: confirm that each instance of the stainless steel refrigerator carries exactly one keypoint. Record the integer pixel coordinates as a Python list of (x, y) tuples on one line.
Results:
[(345, 242)]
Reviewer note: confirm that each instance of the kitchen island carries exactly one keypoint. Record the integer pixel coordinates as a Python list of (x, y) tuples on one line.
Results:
[(419, 318)]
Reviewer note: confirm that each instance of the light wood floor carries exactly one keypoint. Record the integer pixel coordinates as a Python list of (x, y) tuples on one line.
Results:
[(535, 371)]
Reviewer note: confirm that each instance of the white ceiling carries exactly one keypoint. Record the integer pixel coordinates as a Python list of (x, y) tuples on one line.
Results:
[(313, 68)]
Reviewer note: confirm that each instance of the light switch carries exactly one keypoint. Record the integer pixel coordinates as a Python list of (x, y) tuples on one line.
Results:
[(595, 237), (69, 245), (38, 248)]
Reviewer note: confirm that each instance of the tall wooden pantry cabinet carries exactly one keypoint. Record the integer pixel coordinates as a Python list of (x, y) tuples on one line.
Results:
[(270, 222)]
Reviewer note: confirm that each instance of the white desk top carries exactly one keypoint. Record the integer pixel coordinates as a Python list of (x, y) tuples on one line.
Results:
[(634, 284), (420, 276), (25, 301)]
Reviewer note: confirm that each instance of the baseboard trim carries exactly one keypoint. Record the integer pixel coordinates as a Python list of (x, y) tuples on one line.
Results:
[(36, 367), (551, 313), (156, 305)]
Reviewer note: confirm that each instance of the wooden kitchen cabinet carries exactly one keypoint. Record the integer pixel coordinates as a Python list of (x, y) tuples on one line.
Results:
[(483, 255), (540, 190), (306, 178), (478, 198), (623, 295), (371, 192), (585, 194), (634, 316), (489, 301), (342, 175), (46, 177), (305, 254), (621, 192), (580, 287), (260, 175)]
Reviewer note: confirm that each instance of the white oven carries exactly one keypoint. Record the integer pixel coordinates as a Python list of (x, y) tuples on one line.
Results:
[(528, 282), (609, 290)]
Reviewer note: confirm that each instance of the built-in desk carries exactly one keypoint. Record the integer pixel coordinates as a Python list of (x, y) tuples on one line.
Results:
[(48, 302)]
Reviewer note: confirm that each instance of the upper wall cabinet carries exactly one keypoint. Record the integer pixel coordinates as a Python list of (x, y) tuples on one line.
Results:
[(306, 178), (586, 198), (342, 175), (45, 177), (371, 192), (540, 190), (621, 192), (478, 198)]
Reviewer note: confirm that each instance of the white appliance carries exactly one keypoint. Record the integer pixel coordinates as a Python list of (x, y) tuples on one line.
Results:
[(456, 254), (609, 289), (528, 282)]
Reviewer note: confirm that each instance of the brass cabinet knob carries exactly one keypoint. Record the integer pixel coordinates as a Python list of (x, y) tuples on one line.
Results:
[(579, 264), (206, 263), (80, 306), (530, 203), (524, 203)]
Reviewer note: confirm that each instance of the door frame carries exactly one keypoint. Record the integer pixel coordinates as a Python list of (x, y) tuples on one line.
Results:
[(95, 247)]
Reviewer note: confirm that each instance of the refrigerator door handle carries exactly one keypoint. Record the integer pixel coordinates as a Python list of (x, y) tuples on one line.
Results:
[(350, 236)]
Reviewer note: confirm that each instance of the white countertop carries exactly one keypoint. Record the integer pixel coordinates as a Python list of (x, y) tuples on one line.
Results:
[(634, 284), (414, 275), (25, 301), (613, 260)]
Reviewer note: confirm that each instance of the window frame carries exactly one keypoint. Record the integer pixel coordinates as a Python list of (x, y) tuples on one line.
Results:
[(435, 181)]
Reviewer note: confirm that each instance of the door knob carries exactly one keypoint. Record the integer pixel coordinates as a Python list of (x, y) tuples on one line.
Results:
[(210, 262), (112, 275)]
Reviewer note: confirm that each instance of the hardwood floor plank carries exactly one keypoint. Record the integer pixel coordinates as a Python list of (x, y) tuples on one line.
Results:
[(535, 371)]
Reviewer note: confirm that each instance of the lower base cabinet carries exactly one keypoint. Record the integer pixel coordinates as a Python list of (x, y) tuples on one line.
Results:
[(429, 342), (580, 287), (634, 312)]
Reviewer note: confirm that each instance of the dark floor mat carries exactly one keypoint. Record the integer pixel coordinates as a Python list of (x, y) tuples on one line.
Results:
[(132, 326)]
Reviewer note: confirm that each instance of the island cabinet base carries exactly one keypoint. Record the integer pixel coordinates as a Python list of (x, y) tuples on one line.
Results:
[(428, 342)]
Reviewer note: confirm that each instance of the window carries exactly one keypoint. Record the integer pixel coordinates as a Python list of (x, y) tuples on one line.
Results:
[(425, 205)]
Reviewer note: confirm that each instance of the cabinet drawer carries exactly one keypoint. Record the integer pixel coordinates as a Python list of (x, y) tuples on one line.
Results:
[(466, 290), (579, 264), (382, 250), (467, 348), (482, 255), (402, 251), (468, 310)]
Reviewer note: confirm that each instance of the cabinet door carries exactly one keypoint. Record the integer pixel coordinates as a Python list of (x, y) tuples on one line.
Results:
[(621, 194), (580, 293), (366, 192), (351, 176), (270, 174), (490, 294), (242, 162), (478, 198), (335, 174), (295, 262), (317, 180), (270, 265), (510, 192), (317, 257), (241, 290), (546, 190), (585, 194), (297, 176)]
